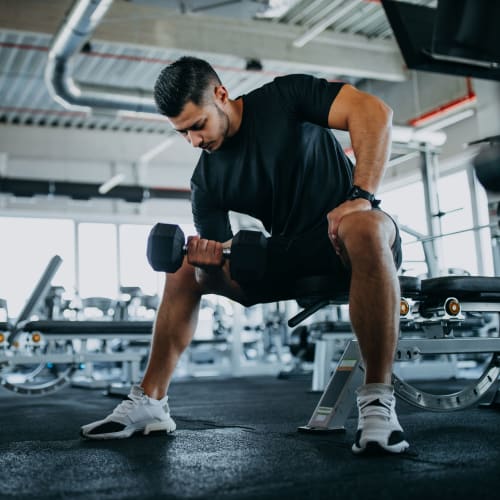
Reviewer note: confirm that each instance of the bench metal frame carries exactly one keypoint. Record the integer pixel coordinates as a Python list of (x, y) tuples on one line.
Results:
[(430, 312)]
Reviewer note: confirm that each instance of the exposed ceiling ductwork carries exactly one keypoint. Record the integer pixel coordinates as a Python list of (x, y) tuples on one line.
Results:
[(82, 19), (79, 25)]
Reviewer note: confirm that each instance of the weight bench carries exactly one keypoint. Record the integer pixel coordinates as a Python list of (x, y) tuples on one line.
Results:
[(51, 344), (435, 307), (62, 329), (4, 333), (316, 292), (5, 327)]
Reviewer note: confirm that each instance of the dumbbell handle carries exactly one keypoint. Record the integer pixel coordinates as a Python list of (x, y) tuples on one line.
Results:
[(226, 252)]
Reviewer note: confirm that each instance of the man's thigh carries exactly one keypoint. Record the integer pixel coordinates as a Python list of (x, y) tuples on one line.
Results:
[(290, 259), (310, 254)]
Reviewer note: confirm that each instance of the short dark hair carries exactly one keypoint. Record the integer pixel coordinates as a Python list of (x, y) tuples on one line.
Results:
[(186, 79)]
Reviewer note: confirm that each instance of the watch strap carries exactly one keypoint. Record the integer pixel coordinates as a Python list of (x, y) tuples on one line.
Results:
[(356, 192)]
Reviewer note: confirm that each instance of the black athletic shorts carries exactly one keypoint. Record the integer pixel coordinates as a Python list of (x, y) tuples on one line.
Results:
[(310, 254)]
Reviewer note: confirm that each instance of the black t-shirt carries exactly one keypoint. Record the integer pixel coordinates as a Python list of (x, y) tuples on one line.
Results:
[(283, 166)]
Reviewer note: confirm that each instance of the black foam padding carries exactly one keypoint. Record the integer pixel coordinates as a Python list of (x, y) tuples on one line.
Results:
[(480, 287), (101, 328), (410, 285), (312, 288), (487, 167), (89, 327), (41, 289)]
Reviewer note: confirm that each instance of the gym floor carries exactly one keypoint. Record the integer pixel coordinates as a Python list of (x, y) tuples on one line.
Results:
[(237, 439)]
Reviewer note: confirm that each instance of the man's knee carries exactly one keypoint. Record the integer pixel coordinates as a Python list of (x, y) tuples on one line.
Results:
[(366, 233)]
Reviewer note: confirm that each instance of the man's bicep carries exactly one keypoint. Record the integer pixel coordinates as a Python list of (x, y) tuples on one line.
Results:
[(351, 102), (344, 103)]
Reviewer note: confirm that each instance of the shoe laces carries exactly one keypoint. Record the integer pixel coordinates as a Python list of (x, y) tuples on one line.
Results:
[(127, 405), (376, 406)]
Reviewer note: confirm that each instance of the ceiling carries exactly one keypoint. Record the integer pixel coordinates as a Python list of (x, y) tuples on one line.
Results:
[(248, 42)]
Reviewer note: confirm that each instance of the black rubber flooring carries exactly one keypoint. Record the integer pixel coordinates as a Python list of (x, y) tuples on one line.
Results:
[(237, 439)]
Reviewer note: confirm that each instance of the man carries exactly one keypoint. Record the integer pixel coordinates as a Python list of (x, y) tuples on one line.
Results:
[(269, 154)]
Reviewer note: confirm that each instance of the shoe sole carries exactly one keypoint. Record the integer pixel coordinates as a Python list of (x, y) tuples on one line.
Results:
[(129, 431), (373, 448)]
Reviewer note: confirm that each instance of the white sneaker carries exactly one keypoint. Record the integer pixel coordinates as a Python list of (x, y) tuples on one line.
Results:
[(378, 425), (138, 413)]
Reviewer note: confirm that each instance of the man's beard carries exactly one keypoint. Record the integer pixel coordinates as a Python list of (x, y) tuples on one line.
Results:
[(223, 129), (224, 125)]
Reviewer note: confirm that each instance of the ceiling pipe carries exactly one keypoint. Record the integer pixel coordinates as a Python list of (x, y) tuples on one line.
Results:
[(82, 20), (86, 191)]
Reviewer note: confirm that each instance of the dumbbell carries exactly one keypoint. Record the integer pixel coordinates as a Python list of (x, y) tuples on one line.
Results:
[(248, 253)]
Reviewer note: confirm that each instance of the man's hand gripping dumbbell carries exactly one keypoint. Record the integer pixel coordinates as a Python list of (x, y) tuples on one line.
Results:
[(247, 256)]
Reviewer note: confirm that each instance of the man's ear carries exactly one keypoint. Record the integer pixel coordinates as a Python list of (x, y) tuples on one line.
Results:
[(221, 94)]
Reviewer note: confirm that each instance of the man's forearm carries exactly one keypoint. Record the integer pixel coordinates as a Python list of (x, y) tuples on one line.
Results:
[(370, 132)]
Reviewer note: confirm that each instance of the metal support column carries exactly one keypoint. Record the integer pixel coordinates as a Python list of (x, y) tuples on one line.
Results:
[(430, 175)]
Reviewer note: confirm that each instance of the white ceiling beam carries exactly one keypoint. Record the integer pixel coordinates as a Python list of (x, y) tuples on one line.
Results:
[(131, 23), (335, 53)]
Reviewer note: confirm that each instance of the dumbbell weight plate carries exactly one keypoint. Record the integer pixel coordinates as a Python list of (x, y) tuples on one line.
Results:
[(165, 250), (248, 256)]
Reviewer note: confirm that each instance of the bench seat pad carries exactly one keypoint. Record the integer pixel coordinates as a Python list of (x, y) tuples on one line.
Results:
[(464, 287)]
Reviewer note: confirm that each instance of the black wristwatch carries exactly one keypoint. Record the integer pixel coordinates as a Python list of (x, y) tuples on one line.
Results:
[(356, 192)]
